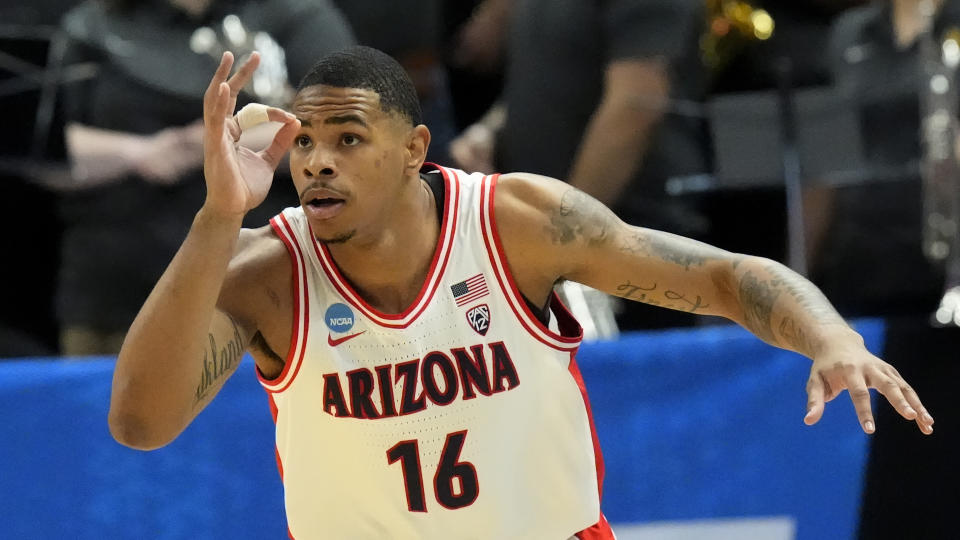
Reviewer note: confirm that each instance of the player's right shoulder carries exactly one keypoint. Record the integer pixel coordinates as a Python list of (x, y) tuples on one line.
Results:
[(259, 252), (259, 274)]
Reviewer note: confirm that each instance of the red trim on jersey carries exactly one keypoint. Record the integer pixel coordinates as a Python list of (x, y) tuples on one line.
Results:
[(600, 530), (498, 260), (301, 305), (276, 451), (451, 206)]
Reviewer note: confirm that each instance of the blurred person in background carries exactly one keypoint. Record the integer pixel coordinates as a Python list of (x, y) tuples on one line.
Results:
[(134, 138), (474, 37), (872, 262), (587, 98)]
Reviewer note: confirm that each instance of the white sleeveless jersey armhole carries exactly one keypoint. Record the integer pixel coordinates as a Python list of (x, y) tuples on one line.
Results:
[(462, 417)]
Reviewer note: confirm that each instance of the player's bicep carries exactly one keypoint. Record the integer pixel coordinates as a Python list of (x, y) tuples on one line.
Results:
[(597, 249)]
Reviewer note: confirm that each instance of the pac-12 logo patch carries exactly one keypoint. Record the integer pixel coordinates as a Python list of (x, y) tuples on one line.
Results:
[(479, 319), (339, 317)]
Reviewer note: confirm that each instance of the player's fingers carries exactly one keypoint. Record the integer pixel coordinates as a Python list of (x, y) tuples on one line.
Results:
[(924, 419), (244, 74), (860, 395), (282, 140), (815, 392), (890, 388), (279, 115), (213, 89), (219, 108)]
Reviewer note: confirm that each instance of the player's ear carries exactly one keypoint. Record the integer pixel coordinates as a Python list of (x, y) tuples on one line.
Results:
[(417, 143)]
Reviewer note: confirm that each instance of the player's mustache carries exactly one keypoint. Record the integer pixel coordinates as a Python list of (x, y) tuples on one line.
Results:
[(323, 187)]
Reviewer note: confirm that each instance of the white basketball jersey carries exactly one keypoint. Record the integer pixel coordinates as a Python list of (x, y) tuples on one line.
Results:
[(462, 417)]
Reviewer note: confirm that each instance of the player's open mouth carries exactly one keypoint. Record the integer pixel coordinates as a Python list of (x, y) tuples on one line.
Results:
[(323, 207)]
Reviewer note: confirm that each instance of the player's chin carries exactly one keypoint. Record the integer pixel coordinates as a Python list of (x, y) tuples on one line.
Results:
[(334, 238)]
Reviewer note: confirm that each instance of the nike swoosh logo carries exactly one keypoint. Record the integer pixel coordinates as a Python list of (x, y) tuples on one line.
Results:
[(335, 342)]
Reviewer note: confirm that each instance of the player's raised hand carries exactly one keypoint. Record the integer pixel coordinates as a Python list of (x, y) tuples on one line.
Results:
[(238, 178), (854, 369)]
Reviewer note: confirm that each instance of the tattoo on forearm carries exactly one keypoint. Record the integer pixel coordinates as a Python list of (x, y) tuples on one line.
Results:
[(219, 362), (686, 303), (647, 243), (793, 335), (629, 291), (805, 294), (580, 217), (677, 300), (757, 298)]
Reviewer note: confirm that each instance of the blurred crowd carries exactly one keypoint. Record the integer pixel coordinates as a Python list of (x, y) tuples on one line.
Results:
[(651, 106)]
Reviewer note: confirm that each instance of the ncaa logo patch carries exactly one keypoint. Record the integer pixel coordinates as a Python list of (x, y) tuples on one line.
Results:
[(479, 319), (339, 317)]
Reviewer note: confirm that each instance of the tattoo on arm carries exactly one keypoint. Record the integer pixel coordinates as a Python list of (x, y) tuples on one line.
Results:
[(805, 294), (650, 243), (794, 335), (628, 290), (757, 298), (686, 304), (677, 300), (219, 362), (580, 218)]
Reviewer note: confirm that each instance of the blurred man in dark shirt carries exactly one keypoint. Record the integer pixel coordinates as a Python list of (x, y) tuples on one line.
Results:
[(588, 99), (134, 139)]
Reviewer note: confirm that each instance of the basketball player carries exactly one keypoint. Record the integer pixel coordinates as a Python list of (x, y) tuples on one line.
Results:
[(419, 368)]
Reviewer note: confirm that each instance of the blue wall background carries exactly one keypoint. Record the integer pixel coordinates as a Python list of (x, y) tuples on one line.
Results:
[(694, 424)]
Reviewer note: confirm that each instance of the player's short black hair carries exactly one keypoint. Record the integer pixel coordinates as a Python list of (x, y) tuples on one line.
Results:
[(370, 69)]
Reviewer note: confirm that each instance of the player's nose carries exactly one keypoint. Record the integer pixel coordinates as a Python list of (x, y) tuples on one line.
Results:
[(320, 163)]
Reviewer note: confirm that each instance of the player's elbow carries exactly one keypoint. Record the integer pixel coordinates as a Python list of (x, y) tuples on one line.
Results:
[(136, 432)]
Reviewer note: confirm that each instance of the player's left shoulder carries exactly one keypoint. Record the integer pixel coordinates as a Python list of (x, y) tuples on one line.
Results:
[(551, 211), (525, 196)]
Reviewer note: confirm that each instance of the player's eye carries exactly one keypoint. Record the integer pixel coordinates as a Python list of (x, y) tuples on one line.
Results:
[(349, 139), (302, 141)]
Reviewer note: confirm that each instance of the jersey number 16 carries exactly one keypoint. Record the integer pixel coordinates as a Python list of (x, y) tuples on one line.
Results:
[(408, 454)]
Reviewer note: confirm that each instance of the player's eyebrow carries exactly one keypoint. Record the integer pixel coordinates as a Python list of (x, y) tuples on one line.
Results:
[(346, 119)]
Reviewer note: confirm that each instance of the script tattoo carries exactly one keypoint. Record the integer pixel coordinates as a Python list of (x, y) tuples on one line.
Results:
[(580, 217), (219, 362), (757, 298), (678, 300), (691, 305), (627, 290)]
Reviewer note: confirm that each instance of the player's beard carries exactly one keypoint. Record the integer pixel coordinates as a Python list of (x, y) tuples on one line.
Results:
[(341, 238)]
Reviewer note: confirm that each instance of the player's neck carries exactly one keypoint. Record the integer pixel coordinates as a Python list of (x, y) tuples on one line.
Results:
[(388, 268)]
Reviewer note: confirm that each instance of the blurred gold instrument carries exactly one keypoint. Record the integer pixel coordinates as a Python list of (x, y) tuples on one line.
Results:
[(731, 25)]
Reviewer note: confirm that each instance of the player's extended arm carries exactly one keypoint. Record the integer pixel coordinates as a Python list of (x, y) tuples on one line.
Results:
[(181, 347), (553, 231)]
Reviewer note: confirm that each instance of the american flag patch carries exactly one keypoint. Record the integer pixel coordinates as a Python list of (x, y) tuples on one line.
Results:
[(469, 290)]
